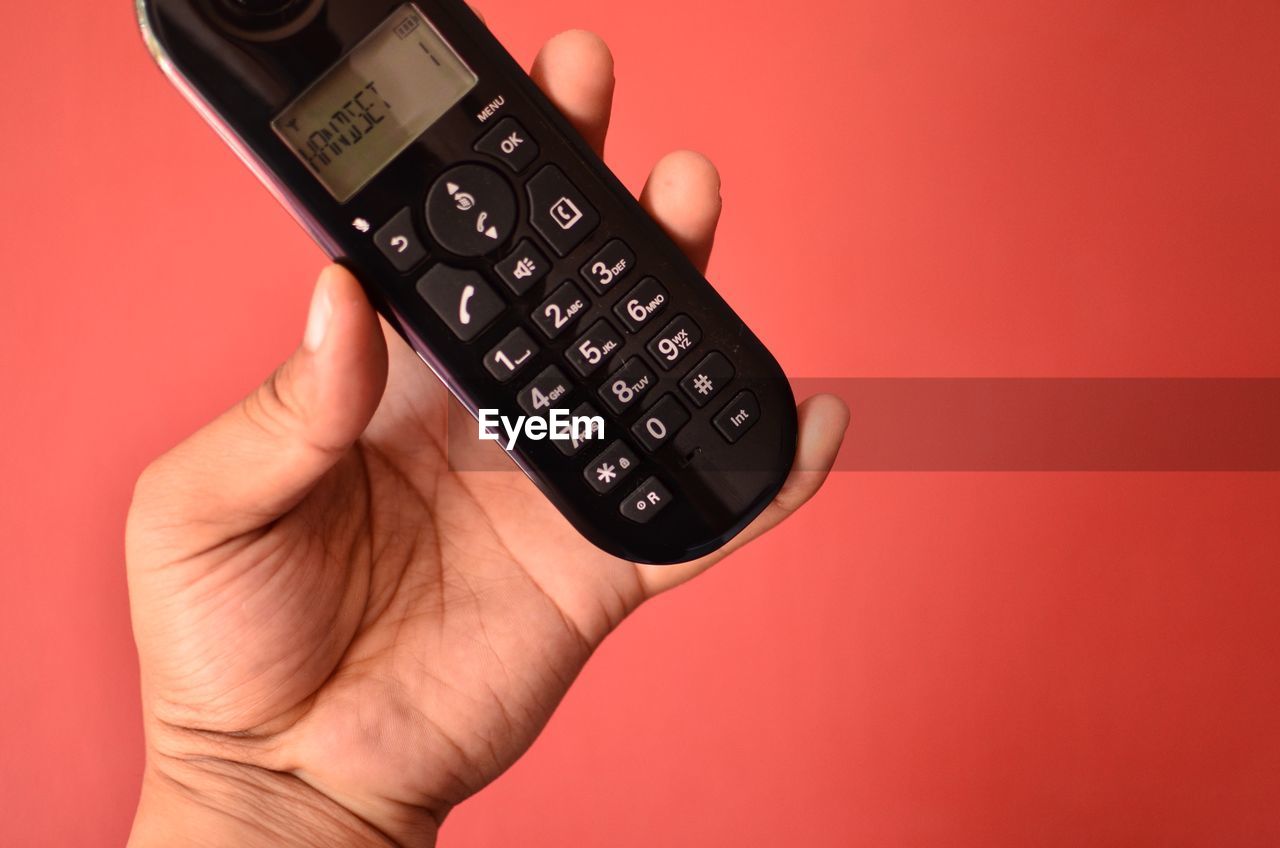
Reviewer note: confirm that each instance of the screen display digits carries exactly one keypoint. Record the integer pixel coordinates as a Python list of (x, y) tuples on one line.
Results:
[(376, 102)]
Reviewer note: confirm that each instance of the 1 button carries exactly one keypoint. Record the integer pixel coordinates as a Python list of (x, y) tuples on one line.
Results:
[(645, 301), (587, 435), (708, 379), (524, 268), (675, 342), (560, 310), (510, 143), (462, 300), (609, 266), (399, 242), (646, 502), (611, 468), (592, 350), (544, 393), (625, 388), (561, 213), (659, 424), (471, 210), (511, 356), (738, 417)]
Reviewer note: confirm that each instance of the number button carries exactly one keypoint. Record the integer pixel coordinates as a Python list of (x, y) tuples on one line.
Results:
[(462, 300), (609, 266), (611, 468), (561, 213), (544, 393), (510, 358), (590, 352), (675, 342), (594, 433), (509, 142), (738, 417), (645, 301), (560, 310), (524, 268), (658, 425), (646, 502), (708, 379), (399, 243), (626, 387)]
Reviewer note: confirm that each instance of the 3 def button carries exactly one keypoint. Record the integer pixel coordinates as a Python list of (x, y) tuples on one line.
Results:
[(646, 502)]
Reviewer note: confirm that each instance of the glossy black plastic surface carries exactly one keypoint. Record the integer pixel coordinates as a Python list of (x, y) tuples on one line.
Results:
[(714, 487)]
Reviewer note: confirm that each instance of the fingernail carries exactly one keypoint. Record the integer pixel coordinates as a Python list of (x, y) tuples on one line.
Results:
[(319, 319)]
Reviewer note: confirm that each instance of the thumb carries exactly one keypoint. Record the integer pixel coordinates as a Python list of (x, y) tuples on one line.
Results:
[(258, 460)]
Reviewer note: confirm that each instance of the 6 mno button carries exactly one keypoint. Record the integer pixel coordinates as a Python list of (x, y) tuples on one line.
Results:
[(646, 501)]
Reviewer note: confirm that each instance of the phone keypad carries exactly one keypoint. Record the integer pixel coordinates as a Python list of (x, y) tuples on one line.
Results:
[(472, 212)]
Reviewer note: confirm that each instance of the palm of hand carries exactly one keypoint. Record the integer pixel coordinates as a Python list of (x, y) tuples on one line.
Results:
[(400, 637)]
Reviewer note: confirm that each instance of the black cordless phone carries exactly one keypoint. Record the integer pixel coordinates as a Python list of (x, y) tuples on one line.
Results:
[(416, 151)]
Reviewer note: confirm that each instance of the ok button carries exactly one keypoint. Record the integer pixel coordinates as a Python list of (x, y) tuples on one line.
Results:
[(471, 210)]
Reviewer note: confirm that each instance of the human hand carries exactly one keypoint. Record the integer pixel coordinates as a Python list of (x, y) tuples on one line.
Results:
[(341, 637)]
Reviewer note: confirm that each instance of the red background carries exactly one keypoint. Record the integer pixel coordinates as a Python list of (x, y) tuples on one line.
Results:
[(915, 188)]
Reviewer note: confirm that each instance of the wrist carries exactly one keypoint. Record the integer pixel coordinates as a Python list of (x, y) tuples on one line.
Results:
[(218, 803)]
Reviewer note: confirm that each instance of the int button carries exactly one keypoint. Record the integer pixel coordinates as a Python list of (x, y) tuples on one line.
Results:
[(509, 143), (738, 417)]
